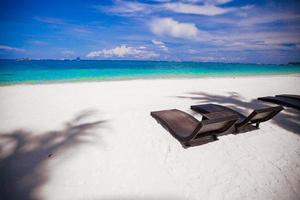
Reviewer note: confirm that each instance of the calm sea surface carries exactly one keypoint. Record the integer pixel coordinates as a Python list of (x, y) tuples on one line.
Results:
[(12, 72)]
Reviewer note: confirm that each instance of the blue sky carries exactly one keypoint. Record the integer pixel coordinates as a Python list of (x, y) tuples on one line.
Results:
[(186, 30)]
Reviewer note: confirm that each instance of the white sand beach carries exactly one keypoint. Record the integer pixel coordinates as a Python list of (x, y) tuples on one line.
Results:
[(97, 140)]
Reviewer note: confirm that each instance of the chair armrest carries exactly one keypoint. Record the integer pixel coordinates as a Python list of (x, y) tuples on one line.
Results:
[(215, 115)]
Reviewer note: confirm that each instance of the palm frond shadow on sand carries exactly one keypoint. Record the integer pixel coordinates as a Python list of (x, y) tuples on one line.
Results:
[(24, 155), (288, 119)]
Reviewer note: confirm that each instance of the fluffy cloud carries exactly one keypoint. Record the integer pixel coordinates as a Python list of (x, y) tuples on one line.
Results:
[(206, 9), (124, 51), (160, 45), (170, 27), (9, 48)]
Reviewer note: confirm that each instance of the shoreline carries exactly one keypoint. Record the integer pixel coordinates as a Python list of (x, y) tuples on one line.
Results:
[(180, 77)]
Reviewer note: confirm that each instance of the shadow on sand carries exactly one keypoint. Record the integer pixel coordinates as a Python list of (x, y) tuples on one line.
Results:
[(288, 119), (24, 156)]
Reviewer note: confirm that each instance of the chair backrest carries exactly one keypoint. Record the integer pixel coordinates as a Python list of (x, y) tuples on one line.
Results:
[(261, 115), (180, 124), (215, 126)]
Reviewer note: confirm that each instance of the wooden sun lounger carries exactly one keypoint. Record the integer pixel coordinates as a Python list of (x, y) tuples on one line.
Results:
[(191, 132), (244, 123), (288, 101)]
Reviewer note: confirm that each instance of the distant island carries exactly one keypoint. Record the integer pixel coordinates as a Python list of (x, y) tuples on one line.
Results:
[(23, 59), (29, 59)]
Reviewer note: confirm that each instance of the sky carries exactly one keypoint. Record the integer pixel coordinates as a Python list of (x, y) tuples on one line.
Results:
[(243, 31)]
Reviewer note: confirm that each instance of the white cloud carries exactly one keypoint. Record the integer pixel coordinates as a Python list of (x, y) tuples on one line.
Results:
[(127, 8), (269, 17), (213, 2), (130, 7), (217, 2), (124, 51), (160, 44), (9, 48), (157, 42), (248, 17), (255, 40), (207, 9), (170, 27)]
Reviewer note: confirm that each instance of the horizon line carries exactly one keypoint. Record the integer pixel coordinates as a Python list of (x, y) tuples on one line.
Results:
[(136, 60)]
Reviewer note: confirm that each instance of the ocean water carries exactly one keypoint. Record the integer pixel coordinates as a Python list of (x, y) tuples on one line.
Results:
[(39, 71)]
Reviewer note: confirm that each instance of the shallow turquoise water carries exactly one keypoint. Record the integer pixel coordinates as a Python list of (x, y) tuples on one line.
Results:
[(51, 70)]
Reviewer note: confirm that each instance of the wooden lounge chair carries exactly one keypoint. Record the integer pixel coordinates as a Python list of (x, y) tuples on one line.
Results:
[(284, 100), (191, 132), (244, 123)]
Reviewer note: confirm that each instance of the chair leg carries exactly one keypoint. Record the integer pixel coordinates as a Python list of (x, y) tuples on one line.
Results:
[(236, 130), (257, 125)]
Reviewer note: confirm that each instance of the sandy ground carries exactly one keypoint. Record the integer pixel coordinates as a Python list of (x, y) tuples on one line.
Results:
[(98, 141)]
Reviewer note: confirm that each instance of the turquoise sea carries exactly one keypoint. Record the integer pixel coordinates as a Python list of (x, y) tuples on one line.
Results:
[(41, 71)]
